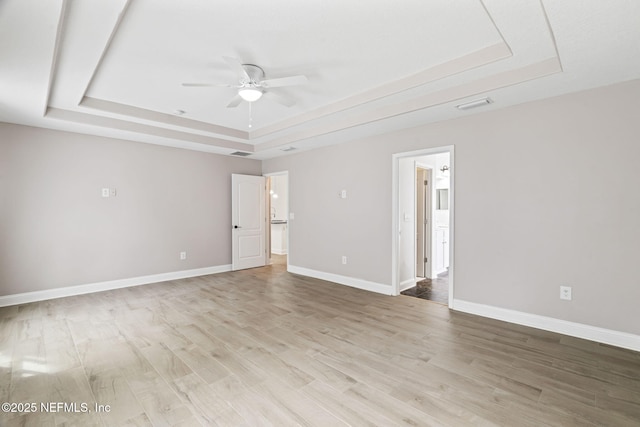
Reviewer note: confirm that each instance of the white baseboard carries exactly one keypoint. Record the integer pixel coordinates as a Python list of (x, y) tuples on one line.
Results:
[(343, 280), (578, 330), (410, 283), (106, 286)]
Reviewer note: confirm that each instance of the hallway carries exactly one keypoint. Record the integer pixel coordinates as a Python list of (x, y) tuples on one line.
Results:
[(436, 290)]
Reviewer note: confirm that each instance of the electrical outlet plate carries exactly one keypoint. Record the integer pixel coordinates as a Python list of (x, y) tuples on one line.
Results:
[(565, 293), (183, 255), (344, 259), (105, 192)]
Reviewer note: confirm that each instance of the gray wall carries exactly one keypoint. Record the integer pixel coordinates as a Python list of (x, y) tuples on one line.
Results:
[(546, 195), (56, 230)]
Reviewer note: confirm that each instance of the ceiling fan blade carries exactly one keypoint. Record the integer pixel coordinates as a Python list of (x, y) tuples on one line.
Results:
[(282, 100), (237, 67), (206, 85), (235, 102), (285, 81)]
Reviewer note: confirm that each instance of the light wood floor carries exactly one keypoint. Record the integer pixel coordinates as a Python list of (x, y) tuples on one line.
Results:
[(264, 347)]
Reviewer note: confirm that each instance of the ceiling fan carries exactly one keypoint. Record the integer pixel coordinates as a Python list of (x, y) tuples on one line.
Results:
[(252, 83)]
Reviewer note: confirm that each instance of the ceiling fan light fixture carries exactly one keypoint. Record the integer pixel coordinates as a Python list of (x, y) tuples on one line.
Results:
[(250, 94)]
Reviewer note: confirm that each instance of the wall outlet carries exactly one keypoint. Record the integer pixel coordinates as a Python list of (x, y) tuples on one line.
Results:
[(343, 194), (105, 192), (183, 255), (344, 259), (565, 292)]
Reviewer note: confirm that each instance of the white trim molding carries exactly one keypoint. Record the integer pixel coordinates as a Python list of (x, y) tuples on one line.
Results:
[(578, 330), (342, 280), (48, 294), (409, 283)]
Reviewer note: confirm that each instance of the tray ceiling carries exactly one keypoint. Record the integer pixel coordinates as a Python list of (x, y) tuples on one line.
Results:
[(115, 68)]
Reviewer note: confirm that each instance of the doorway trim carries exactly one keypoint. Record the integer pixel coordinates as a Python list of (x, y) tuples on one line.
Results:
[(395, 214), (268, 202)]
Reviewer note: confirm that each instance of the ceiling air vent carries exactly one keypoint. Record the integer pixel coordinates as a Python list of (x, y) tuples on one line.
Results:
[(240, 153), (473, 104), (288, 149)]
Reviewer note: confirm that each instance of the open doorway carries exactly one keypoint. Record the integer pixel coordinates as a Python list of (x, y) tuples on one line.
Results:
[(278, 208), (424, 183), (432, 228), (422, 224)]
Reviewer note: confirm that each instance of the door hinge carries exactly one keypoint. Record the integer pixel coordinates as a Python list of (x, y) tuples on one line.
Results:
[(426, 259), (426, 182)]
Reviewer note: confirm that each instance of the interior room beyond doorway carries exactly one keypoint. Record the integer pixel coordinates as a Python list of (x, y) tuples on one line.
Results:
[(278, 218)]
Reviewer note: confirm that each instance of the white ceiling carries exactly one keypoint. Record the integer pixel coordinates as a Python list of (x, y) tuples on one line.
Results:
[(114, 68)]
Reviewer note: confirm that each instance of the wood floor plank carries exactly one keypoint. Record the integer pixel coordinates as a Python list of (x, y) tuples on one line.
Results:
[(246, 372), (110, 387), (208, 405), (270, 363), (318, 370), (72, 386), (161, 404), (585, 412), (300, 409), (30, 420), (165, 362), (258, 410), (202, 363), (398, 412), (266, 347), (343, 407), (139, 421)]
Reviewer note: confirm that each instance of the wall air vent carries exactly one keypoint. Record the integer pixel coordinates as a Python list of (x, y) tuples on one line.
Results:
[(240, 153), (288, 149)]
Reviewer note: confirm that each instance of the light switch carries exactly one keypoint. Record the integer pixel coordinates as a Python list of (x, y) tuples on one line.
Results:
[(292, 215), (343, 194)]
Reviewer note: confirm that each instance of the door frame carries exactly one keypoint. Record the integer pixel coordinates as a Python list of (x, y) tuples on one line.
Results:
[(268, 204), (395, 214)]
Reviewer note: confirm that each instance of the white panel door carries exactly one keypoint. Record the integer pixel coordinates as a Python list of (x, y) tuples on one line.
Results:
[(248, 221)]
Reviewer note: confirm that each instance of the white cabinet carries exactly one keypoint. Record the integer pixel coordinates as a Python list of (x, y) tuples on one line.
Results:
[(442, 250), (279, 238)]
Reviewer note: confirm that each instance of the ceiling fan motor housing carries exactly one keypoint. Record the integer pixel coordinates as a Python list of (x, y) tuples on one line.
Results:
[(255, 73)]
